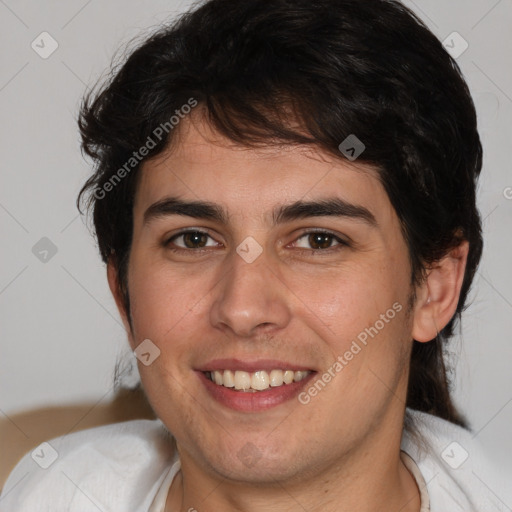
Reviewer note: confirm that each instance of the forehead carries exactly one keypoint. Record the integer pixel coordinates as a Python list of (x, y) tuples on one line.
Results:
[(202, 164)]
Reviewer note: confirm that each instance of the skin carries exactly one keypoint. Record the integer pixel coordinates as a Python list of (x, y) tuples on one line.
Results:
[(341, 450)]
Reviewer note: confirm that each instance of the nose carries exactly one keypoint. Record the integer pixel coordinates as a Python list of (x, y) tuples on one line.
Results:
[(250, 299)]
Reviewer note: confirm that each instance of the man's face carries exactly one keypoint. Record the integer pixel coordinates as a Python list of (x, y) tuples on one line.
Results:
[(267, 290)]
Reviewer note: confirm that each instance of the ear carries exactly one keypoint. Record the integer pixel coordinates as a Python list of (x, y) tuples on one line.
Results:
[(438, 296), (116, 290)]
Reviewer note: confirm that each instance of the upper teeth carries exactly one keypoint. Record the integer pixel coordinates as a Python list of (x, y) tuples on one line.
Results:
[(258, 381)]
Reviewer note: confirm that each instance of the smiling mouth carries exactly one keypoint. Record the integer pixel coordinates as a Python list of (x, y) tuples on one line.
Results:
[(252, 382)]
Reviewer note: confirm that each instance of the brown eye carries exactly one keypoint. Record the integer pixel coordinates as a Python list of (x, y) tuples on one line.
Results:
[(191, 240), (320, 240), (195, 239)]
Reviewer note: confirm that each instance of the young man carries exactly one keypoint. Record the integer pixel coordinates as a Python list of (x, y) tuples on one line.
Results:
[(284, 196)]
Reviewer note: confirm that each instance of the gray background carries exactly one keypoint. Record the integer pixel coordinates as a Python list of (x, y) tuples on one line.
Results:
[(60, 332)]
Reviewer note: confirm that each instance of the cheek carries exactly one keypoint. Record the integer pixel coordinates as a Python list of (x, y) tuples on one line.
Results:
[(161, 300), (165, 308), (347, 300)]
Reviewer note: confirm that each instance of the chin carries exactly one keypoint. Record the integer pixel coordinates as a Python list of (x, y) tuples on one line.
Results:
[(263, 464)]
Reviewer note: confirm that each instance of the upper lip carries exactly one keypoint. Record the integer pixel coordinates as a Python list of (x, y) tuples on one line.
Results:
[(251, 365)]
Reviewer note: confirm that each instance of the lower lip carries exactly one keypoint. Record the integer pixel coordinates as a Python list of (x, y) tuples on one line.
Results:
[(257, 401)]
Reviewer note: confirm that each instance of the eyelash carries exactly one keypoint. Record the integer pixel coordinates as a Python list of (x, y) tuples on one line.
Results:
[(339, 245)]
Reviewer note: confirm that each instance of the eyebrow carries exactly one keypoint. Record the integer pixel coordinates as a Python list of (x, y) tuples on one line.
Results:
[(331, 207)]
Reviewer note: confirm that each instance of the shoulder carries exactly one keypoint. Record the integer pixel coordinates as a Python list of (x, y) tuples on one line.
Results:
[(457, 472), (114, 467)]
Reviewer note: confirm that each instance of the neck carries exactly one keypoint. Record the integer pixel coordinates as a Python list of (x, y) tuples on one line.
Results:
[(372, 477)]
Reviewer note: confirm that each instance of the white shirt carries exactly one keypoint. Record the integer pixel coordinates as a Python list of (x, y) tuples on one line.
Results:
[(130, 466)]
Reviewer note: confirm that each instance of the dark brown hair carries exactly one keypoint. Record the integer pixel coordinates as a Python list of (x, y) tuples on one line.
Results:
[(364, 67)]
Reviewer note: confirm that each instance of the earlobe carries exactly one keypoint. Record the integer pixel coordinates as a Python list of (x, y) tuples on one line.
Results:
[(438, 296)]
